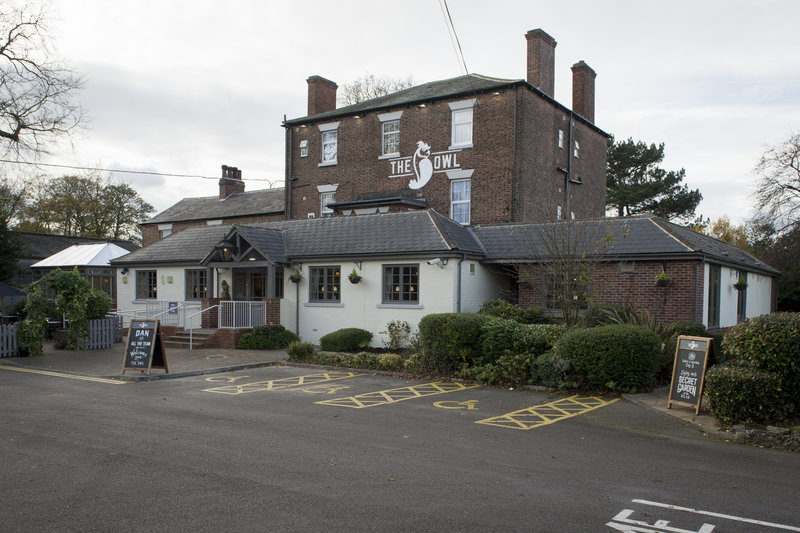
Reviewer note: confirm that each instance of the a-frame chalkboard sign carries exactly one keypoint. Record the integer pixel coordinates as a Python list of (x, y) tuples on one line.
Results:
[(689, 371), (145, 348)]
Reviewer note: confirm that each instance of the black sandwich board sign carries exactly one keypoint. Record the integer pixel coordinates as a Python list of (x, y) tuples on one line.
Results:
[(688, 373), (145, 348)]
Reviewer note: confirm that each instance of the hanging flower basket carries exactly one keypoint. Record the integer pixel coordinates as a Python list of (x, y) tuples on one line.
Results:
[(296, 276), (662, 280), (740, 285), (354, 277)]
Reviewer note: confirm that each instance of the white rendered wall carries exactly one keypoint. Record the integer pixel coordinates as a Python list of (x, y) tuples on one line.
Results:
[(360, 305)]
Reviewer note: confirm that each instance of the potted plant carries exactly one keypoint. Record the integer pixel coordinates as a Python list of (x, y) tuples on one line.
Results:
[(662, 280), (354, 277), (741, 284), (296, 276)]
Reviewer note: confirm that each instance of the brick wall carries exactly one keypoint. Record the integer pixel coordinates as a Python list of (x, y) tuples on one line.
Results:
[(680, 301), (507, 184)]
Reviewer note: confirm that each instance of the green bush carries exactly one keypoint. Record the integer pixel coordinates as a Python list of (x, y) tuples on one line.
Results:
[(299, 350), (97, 305), (509, 369), (364, 360), (267, 337), (345, 340), (500, 337), (771, 343), (600, 314), (553, 372), (618, 357), (449, 340), (500, 308), (740, 395)]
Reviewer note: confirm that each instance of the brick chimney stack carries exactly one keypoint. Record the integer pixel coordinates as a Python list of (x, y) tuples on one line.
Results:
[(230, 182), (583, 90), (541, 61), (321, 95)]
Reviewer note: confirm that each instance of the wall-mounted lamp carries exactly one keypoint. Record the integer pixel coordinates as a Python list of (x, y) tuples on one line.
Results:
[(124, 270)]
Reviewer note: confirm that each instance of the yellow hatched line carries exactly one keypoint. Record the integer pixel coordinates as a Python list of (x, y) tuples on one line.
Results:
[(68, 376), (283, 383), (373, 399), (542, 415)]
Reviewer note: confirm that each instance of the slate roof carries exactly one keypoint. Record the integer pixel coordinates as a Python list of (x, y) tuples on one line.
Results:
[(461, 85), (418, 233), (188, 246), (260, 202), (427, 233), (635, 238)]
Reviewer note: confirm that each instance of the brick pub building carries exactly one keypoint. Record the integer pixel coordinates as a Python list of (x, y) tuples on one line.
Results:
[(434, 195)]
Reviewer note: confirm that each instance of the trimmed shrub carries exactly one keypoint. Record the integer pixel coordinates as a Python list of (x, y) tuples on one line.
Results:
[(299, 350), (345, 340), (509, 369), (554, 372), (503, 337), (365, 360), (741, 395), (502, 309), (267, 337), (618, 357), (772, 343), (448, 340)]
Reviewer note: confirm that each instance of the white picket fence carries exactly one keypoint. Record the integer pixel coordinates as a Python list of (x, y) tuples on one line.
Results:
[(8, 340)]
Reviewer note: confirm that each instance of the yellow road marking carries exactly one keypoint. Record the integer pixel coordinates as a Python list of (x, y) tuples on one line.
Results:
[(373, 399), (61, 375), (325, 389), (541, 415), (225, 379), (469, 405), (273, 384)]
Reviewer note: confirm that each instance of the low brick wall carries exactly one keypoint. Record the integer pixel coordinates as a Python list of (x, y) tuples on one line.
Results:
[(227, 338)]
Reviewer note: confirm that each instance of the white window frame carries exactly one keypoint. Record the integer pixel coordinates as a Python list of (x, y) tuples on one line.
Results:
[(387, 119), (461, 115), (329, 137), (467, 202), (561, 139), (304, 148), (327, 194), (577, 150)]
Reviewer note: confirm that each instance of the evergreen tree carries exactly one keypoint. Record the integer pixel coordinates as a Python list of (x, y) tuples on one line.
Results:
[(636, 184)]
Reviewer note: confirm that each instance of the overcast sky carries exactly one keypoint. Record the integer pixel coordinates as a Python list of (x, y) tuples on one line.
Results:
[(184, 87)]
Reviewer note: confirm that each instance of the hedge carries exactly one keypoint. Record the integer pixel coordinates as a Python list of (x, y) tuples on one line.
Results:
[(345, 340), (771, 343), (448, 340), (741, 395), (618, 357), (501, 337), (267, 337)]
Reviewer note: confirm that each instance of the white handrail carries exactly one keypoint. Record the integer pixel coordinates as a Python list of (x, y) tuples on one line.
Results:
[(194, 315)]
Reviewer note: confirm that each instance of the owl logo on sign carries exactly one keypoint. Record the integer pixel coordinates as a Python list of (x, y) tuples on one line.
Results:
[(423, 168)]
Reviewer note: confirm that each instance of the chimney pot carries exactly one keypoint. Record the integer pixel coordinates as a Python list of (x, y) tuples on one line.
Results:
[(230, 182), (321, 95), (583, 90), (541, 61)]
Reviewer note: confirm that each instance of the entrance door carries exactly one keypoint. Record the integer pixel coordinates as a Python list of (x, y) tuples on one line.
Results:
[(249, 284)]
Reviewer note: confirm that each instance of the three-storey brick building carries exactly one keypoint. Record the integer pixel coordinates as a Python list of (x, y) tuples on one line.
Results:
[(481, 150)]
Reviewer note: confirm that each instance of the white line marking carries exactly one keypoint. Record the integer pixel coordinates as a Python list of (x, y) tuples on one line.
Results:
[(718, 515)]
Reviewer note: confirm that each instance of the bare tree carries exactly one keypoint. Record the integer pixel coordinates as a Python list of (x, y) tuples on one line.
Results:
[(36, 91), (369, 87), (567, 254), (778, 194)]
